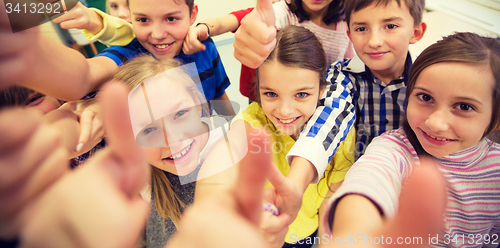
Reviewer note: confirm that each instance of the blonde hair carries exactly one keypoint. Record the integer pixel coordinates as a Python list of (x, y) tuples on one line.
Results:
[(167, 202)]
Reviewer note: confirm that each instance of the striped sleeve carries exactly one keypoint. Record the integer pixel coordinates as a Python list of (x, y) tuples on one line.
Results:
[(330, 123)]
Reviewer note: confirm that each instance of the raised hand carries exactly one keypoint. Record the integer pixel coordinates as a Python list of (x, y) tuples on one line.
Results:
[(231, 218), (256, 36), (96, 205), (80, 17), (192, 43)]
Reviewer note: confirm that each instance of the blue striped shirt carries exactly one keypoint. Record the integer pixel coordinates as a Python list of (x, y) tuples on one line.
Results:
[(353, 96), (211, 72)]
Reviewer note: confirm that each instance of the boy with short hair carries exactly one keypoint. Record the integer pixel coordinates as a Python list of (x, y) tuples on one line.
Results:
[(160, 27)]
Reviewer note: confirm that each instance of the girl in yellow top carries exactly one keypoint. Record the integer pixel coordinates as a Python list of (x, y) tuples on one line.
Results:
[(290, 83)]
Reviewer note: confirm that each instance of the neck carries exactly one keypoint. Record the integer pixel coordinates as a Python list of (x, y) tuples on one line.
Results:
[(390, 74)]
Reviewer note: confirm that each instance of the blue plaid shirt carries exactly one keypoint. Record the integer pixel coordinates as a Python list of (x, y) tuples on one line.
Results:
[(353, 96)]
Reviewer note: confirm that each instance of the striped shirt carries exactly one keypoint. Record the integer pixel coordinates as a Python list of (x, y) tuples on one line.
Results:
[(211, 72), (336, 43), (352, 93), (473, 177)]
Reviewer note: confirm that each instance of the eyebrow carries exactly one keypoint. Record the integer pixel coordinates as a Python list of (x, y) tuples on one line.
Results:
[(461, 98), (301, 89), (390, 19), (167, 14)]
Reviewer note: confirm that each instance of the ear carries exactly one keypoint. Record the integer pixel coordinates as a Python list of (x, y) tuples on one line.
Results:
[(321, 90), (349, 34), (194, 14), (418, 32)]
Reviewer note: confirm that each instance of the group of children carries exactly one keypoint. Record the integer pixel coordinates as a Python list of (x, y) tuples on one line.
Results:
[(347, 128)]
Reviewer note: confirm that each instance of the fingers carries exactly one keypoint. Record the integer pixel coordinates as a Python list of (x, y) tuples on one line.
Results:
[(252, 175), (192, 43), (279, 181), (86, 126), (256, 36), (274, 228), (131, 169), (422, 203), (266, 11)]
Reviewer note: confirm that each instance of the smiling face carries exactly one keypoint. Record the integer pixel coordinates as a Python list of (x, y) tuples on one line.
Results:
[(288, 95), (381, 35), (174, 141), (161, 25), (451, 106), (119, 8)]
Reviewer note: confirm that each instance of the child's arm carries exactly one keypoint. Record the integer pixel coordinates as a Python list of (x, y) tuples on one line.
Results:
[(97, 25), (205, 29), (65, 73)]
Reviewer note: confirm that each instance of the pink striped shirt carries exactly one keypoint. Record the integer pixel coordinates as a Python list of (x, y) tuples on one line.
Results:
[(473, 210), (336, 43)]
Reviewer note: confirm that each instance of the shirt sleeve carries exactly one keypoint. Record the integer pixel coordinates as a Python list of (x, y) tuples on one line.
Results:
[(239, 14), (330, 123), (116, 31), (220, 76), (378, 175), (283, 15)]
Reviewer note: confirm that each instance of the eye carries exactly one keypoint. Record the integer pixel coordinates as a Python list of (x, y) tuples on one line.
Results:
[(424, 97), (143, 19), (114, 6), (301, 95), (149, 130), (360, 29), (171, 19), (392, 26), (180, 113), (465, 107), (35, 100), (270, 94)]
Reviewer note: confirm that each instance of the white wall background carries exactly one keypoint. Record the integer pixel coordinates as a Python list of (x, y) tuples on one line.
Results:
[(217, 8)]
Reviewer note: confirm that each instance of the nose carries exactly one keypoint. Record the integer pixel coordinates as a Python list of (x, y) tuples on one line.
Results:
[(173, 133), (159, 31), (286, 108), (376, 39), (124, 13), (438, 120)]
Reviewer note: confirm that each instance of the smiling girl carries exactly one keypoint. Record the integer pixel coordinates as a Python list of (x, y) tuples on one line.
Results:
[(166, 110), (290, 83), (453, 104)]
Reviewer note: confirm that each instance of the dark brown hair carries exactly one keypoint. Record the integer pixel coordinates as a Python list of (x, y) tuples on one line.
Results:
[(467, 48), (14, 96), (334, 14), (296, 46), (190, 4), (416, 7)]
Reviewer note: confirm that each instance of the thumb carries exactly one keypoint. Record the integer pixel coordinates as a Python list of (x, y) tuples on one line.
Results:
[(422, 204), (266, 12), (253, 171), (120, 139), (278, 180)]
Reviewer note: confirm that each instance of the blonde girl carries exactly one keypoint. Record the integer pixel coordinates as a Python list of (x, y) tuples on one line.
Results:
[(166, 110)]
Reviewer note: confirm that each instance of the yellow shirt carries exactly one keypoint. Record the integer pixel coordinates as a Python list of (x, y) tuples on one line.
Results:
[(307, 220), (116, 31)]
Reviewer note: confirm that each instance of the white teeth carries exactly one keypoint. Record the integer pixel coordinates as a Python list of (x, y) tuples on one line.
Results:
[(161, 46), (288, 120), (436, 138), (182, 153)]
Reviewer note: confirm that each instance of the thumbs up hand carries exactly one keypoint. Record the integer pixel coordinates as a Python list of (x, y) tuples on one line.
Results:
[(256, 36)]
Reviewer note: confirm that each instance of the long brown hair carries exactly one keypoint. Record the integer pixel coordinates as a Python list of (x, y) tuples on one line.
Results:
[(467, 48), (167, 202)]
